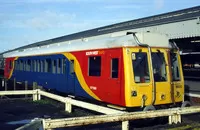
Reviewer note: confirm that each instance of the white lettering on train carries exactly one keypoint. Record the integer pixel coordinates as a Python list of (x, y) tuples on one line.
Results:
[(92, 53), (93, 88)]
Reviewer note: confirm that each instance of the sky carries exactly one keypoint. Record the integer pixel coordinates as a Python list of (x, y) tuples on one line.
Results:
[(23, 22)]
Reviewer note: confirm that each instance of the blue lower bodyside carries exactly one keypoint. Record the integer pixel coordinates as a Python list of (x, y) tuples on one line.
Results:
[(63, 82)]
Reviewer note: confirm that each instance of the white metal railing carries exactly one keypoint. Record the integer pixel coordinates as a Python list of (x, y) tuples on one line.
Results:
[(79, 121), (19, 92), (69, 102), (192, 95), (174, 114)]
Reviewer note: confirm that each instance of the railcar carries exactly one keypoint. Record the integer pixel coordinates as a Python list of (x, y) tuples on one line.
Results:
[(132, 70)]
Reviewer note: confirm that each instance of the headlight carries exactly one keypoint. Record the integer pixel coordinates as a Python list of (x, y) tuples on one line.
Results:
[(162, 97), (134, 93)]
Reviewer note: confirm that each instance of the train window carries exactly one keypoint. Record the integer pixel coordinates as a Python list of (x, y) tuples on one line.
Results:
[(32, 65), (140, 67), (48, 65), (63, 66), (35, 66), (29, 65), (159, 66), (58, 66), (54, 66), (71, 66), (25, 64), (18, 65), (2, 63), (15, 65), (42, 65), (94, 66), (114, 67), (45, 66), (38, 65), (175, 67), (21, 65)]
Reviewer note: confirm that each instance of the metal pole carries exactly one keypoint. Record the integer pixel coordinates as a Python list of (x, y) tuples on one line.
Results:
[(14, 84), (3, 82), (6, 84)]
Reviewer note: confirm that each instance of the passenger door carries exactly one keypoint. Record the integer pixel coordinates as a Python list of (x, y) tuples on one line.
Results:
[(141, 84), (177, 81), (113, 63), (71, 77), (162, 78)]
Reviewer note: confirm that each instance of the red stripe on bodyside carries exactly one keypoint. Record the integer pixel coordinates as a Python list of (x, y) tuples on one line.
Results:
[(106, 88)]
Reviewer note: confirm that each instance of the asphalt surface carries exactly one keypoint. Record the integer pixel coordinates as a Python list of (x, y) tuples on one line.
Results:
[(25, 109)]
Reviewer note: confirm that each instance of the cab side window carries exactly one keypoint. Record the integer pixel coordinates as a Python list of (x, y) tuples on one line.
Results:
[(114, 67), (94, 67)]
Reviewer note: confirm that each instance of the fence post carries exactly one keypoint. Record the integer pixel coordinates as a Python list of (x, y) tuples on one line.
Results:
[(3, 82), (68, 106), (175, 119), (26, 87), (179, 118), (170, 120), (35, 94), (125, 125), (14, 84)]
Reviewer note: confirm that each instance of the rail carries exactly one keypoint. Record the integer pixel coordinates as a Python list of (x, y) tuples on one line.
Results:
[(35, 124), (174, 114)]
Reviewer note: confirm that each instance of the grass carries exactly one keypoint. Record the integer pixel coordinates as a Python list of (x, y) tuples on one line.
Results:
[(43, 101), (187, 127)]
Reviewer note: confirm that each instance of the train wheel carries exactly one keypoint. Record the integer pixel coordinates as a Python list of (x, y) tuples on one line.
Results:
[(186, 104), (149, 108)]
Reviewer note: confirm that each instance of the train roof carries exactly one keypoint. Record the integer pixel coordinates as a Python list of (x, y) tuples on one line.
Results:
[(131, 40)]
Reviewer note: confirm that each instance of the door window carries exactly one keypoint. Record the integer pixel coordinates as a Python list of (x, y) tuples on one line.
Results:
[(140, 67), (175, 67), (72, 67), (159, 67)]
